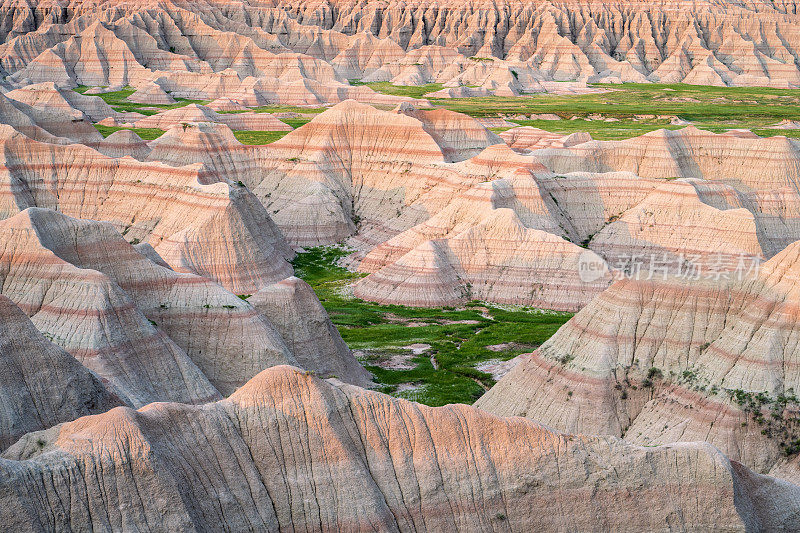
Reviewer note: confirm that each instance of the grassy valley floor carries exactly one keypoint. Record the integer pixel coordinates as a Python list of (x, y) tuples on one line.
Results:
[(633, 108), (433, 356)]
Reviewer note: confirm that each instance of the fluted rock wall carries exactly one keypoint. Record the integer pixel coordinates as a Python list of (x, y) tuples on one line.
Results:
[(304, 53)]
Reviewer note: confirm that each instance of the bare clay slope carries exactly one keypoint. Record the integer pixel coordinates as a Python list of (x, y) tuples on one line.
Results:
[(289, 451), (41, 384)]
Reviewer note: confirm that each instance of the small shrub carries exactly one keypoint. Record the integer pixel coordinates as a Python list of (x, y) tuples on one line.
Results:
[(654, 373), (566, 358)]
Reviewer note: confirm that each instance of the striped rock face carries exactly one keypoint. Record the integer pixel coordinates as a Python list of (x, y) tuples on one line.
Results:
[(52, 124), (50, 96), (41, 384), (673, 359), (150, 333), (130, 321), (196, 223), (495, 242), (737, 158), (357, 166), (292, 451)]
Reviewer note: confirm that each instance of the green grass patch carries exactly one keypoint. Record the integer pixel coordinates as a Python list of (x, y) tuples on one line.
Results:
[(296, 122), (401, 90), (794, 134), (148, 134), (715, 109), (458, 336), (624, 129), (691, 102), (258, 137)]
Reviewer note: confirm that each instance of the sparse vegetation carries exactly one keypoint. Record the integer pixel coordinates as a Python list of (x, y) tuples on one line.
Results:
[(458, 337), (566, 358), (633, 108), (778, 416), (652, 375)]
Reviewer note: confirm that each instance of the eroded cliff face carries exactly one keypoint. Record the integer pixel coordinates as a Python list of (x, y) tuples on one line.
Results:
[(675, 359), (291, 451), (156, 275)]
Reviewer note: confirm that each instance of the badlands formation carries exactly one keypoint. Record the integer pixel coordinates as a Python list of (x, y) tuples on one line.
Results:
[(671, 359), (304, 52), (165, 368)]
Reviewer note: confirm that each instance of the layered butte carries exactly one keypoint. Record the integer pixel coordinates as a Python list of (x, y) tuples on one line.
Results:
[(675, 359), (197, 223), (291, 451)]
